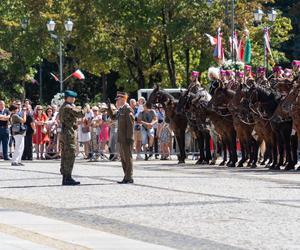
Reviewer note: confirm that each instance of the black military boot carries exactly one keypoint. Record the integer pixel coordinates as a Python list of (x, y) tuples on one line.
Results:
[(69, 181), (64, 180)]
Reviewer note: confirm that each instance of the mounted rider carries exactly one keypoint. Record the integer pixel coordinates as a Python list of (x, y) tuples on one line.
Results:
[(249, 80), (230, 77), (261, 78), (214, 77)]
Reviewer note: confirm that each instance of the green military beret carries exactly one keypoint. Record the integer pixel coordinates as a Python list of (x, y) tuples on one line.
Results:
[(70, 93)]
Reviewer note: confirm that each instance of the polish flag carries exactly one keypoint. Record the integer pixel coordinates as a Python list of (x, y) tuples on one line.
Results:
[(54, 77), (78, 75), (213, 40)]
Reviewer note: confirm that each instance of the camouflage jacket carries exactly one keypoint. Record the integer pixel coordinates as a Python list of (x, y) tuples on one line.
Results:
[(68, 115)]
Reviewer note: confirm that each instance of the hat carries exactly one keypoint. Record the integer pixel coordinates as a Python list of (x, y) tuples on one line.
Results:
[(296, 63), (121, 94), (195, 73), (277, 69), (223, 72), (261, 70), (70, 93), (240, 74), (287, 72), (248, 68), (229, 72), (95, 108)]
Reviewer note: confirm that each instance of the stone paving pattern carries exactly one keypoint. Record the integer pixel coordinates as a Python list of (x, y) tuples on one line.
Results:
[(178, 206)]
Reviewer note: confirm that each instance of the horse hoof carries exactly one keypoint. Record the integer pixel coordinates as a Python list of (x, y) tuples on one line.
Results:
[(181, 162), (231, 165), (228, 163), (222, 164), (212, 163), (289, 167), (199, 162), (253, 165), (298, 169), (263, 163), (240, 165), (277, 168)]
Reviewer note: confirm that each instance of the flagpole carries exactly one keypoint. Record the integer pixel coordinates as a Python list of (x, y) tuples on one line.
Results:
[(67, 78), (60, 66)]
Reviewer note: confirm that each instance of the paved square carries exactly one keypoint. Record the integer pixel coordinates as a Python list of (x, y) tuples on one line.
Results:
[(181, 207)]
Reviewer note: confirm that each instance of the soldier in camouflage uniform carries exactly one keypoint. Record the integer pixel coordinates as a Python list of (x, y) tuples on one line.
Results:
[(68, 115), (125, 119), (261, 78)]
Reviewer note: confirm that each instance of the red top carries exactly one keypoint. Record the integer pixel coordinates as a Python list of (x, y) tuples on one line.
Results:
[(39, 137)]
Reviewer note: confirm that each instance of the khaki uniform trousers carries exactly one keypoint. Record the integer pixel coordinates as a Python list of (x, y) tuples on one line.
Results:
[(126, 159)]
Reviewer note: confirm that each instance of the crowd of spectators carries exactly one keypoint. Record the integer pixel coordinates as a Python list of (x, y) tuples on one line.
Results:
[(28, 133)]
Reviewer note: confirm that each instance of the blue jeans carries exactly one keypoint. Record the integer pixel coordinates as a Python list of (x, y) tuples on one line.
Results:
[(4, 137)]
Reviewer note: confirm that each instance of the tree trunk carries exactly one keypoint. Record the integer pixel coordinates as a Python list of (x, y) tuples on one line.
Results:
[(104, 86), (187, 65), (168, 51)]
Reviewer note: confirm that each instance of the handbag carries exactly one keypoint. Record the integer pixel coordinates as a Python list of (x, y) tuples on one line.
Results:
[(44, 130), (18, 128)]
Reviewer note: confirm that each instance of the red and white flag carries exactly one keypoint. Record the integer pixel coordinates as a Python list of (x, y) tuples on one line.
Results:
[(267, 41), (213, 40), (54, 77), (219, 51), (78, 75)]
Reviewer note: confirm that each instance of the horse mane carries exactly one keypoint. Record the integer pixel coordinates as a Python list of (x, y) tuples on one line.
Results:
[(162, 91), (268, 92)]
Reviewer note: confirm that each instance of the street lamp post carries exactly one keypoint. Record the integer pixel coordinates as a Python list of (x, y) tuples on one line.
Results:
[(68, 27), (258, 16)]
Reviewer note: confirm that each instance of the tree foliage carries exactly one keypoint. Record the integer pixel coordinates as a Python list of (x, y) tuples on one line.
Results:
[(146, 42)]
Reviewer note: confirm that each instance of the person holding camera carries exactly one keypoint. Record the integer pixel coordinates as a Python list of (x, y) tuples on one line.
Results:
[(18, 131)]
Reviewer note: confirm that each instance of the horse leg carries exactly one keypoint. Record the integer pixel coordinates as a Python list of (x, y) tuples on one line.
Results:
[(254, 152), (200, 141), (244, 157), (206, 137), (224, 149), (232, 151), (215, 145), (287, 137), (276, 150), (294, 145)]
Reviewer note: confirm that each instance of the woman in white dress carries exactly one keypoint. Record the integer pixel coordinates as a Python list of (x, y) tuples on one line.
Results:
[(84, 131)]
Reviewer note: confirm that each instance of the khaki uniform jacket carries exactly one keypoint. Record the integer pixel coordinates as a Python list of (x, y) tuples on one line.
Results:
[(125, 119)]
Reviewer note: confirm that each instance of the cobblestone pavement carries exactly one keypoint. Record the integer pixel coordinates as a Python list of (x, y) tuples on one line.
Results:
[(176, 206)]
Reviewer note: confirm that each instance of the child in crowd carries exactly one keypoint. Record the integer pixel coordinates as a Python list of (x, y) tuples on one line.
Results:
[(165, 137)]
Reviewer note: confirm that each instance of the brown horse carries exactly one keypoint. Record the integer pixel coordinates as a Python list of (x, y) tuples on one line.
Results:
[(244, 125), (178, 121), (222, 120)]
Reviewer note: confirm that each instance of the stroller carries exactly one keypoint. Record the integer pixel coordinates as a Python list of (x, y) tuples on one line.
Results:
[(52, 147)]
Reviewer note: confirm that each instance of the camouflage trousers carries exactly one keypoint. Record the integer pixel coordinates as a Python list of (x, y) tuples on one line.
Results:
[(68, 152)]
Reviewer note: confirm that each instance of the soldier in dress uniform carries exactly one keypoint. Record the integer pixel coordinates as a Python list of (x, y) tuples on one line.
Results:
[(296, 68), (230, 77), (194, 84), (261, 78), (249, 80), (240, 76), (277, 76), (214, 77), (68, 115), (125, 126)]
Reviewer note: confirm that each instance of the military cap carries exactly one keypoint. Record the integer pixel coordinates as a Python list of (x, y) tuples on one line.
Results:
[(248, 68), (296, 63), (277, 69), (195, 73), (70, 93), (240, 74), (261, 70), (121, 94)]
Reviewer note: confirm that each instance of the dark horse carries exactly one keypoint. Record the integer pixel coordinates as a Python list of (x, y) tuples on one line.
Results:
[(263, 103), (221, 118), (178, 121), (197, 121)]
